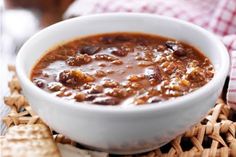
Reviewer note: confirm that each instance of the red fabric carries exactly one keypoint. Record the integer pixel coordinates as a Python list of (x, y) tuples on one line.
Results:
[(218, 16)]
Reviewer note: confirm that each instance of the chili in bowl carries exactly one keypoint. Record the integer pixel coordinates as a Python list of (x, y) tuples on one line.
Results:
[(122, 69), (124, 82)]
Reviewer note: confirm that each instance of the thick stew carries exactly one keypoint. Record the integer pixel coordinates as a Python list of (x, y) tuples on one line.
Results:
[(122, 69)]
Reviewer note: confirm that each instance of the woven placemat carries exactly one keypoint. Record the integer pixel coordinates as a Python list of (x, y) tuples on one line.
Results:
[(215, 136)]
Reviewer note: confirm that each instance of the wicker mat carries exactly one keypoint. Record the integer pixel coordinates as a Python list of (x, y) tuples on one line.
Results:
[(215, 136)]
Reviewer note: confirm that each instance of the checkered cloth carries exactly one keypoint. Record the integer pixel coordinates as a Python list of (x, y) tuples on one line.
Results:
[(218, 16)]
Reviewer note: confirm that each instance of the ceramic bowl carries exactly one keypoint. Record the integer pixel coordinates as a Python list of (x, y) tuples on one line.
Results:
[(117, 129)]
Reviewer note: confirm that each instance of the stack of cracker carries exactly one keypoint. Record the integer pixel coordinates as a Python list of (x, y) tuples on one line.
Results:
[(29, 141)]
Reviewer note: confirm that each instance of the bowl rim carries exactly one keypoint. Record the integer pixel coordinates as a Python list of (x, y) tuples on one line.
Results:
[(212, 85)]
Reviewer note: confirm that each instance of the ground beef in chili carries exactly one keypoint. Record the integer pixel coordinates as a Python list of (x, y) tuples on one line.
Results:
[(122, 69)]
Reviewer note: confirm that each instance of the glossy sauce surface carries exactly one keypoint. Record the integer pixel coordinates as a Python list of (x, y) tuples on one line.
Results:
[(122, 69)]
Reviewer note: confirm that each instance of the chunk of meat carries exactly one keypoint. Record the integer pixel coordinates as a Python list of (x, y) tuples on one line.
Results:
[(117, 92), (96, 89), (118, 52), (79, 59), (154, 73), (196, 75), (74, 77), (80, 96), (110, 83), (54, 86), (105, 57), (106, 101), (100, 73)]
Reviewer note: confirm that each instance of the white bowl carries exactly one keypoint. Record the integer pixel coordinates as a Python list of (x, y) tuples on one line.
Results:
[(115, 129)]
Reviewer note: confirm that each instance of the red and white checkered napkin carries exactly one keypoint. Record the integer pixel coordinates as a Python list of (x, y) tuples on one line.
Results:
[(218, 16)]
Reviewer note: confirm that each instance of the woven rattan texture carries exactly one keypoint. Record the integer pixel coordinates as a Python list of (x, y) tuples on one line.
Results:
[(215, 136)]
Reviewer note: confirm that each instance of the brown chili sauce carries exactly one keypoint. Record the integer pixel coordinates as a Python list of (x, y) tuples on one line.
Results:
[(122, 69)]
